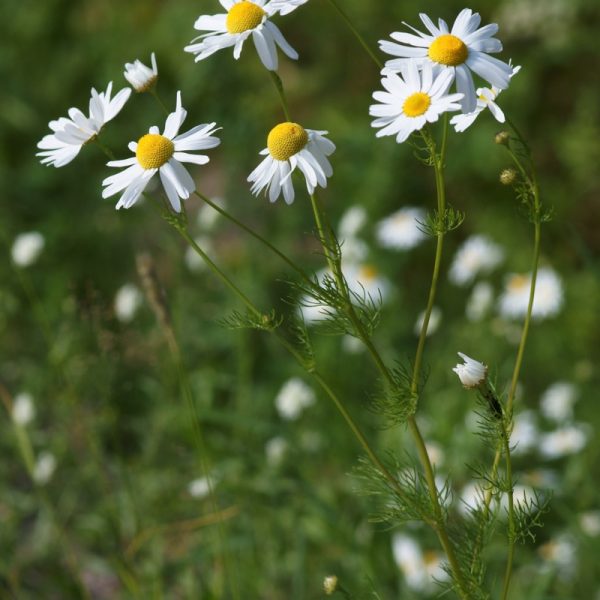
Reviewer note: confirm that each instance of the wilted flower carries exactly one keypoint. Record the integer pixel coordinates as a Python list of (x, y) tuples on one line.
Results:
[(471, 373), (27, 247), (70, 135), (141, 77), (402, 230), (478, 254), (508, 176), (293, 398)]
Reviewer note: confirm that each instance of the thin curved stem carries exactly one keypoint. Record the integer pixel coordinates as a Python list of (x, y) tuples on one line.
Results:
[(279, 87), (153, 91), (511, 515), (358, 36)]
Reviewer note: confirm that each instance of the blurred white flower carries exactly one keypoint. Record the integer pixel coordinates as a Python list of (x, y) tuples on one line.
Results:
[(435, 318), (557, 401), (421, 570), (193, 260), (436, 454), (480, 301), (478, 254), (27, 247), (23, 409), (70, 135), (523, 495), (525, 432), (355, 250), (293, 398), (141, 77), (208, 216), (275, 450), (590, 523), (471, 497), (44, 468), (352, 221), (127, 301), (471, 373), (561, 553), (563, 441), (330, 584), (200, 488), (548, 295), (402, 229), (352, 345)]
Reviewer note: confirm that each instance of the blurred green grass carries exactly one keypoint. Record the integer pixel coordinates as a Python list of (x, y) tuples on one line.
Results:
[(106, 392)]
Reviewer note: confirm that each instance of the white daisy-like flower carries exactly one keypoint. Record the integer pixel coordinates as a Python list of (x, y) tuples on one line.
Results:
[(352, 221), (420, 569), (486, 98), (548, 297), (23, 409), (471, 373), (459, 51), (412, 100), (141, 77), (563, 441), (293, 398), (242, 20), (27, 247), (435, 318), (163, 154), (480, 301), (127, 301), (557, 401), (70, 135), (478, 254), (402, 230), (290, 146)]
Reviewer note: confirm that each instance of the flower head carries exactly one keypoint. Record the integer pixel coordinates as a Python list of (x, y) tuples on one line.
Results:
[(477, 254), (548, 297), (402, 230), (23, 409), (162, 153), (127, 301), (289, 145), (244, 18), (412, 100), (563, 441), (293, 398), (459, 51), (70, 135), (486, 98), (557, 401), (141, 77), (330, 584), (471, 373), (27, 247)]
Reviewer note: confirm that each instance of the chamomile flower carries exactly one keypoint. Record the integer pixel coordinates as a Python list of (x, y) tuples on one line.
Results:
[(289, 145), (459, 51), (478, 254), (486, 98), (412, 100), (163, 154), (242, 20), (403, 229), (293, 398), (548, 297), (70, 135), (27, 248), (471, 372), (141, 77)]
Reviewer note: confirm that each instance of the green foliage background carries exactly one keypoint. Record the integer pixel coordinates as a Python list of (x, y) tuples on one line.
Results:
[(117, 511)]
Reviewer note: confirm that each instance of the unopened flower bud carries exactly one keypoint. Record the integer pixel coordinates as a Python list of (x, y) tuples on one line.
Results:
[(502, 137), (141, 77), (472, 373), (330, 584), (508, 176)]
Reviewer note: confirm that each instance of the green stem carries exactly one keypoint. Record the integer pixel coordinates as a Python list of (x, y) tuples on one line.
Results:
[(511, 514), (358, 36), (279, 87), (154, 93), (105, 149)]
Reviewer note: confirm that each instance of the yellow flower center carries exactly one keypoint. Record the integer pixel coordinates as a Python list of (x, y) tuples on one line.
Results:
[(416, 104), (286, 139), (243, 16), (154, 150), (368, 273), (518, 282), (448, 50)]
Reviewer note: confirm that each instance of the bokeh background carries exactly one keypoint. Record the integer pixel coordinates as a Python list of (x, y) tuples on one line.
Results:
[(119, 505)]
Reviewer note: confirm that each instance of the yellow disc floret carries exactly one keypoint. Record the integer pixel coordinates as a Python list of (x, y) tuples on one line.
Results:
[(416, 104), (286, 139), (154, 150), (448, 50), (243, 16)]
